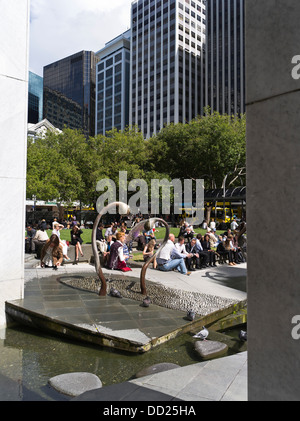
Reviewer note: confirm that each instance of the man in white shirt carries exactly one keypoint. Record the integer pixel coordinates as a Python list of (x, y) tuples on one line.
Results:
[(39, 240), (170, 258), (180, 246), (234, 225)]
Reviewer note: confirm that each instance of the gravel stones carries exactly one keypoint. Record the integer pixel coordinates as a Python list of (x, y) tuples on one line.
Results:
[(175, 299), (74, 384)]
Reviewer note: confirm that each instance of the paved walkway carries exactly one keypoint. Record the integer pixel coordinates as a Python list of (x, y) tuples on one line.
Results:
[(224, 379), (216, 380)]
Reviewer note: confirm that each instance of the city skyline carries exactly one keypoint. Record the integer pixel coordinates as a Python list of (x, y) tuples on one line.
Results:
[(61, 28), (178, 65)]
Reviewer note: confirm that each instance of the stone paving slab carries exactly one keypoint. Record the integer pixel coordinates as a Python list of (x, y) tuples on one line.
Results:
[(120, 323), (223, 379), (107, 321)]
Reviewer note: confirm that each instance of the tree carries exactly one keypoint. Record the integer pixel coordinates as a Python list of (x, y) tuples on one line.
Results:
[(212, 146), (50, 175)]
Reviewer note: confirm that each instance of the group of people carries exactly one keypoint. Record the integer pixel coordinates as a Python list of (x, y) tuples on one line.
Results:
[(52, 251), (191, 252), (113, 247), (200, 251)]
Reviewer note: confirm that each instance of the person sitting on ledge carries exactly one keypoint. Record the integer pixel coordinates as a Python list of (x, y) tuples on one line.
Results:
[(76, 241), (169, 258), (116, 259), (52, 253)]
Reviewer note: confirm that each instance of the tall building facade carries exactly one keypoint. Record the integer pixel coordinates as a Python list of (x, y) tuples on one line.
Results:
[(35, 98), (112, 84), (225, 60), (167, 62), (69, 92)]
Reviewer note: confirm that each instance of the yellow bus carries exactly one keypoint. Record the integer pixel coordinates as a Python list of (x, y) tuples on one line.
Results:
[(218, 214)]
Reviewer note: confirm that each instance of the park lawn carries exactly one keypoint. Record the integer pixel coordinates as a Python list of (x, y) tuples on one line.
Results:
[(86, 235), (65, 234)]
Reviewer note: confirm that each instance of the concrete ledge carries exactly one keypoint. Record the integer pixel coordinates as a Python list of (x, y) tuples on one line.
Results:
[(87, 253)]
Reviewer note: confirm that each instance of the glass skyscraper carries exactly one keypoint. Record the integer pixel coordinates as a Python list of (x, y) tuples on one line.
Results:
[(225, 64), (69, 92), (167, 62), (112, 87), (35, 98)]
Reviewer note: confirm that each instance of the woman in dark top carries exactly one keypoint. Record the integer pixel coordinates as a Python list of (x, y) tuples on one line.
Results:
[(206, 247), (76, 240)]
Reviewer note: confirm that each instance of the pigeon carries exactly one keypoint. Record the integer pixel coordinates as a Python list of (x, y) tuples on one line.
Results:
[(115, 293), (191, 315), (243, 336), (146, 302), (203, 334)]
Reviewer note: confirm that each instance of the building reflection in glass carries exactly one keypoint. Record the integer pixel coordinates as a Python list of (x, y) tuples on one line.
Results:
[(69, 92)]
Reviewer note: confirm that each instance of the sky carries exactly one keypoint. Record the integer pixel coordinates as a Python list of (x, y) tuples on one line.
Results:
[(60, 28)]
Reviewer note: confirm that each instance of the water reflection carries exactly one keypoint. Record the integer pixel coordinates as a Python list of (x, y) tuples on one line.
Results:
[(30, 358)]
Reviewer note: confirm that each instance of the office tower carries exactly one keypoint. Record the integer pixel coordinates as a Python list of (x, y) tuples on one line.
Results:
[(225, 61), (112, 84), (167, 63), (35, 98), (69, 92)]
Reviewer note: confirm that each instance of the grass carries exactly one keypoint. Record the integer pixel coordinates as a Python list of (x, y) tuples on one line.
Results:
[(86, 235), (65, 234)]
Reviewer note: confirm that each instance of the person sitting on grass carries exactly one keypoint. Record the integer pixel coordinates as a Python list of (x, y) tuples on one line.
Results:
[(52, 253)]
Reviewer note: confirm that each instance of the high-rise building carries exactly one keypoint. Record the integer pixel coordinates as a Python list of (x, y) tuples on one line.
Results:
[(35, 98), (167, 62), (225, 60), (69, 92), (112, 84)]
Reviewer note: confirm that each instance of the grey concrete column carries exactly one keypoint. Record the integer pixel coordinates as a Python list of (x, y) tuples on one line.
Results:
[(14, 28), (273, 198)]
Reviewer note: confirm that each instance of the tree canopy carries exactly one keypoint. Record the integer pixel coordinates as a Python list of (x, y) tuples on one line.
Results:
[(67, 166), (208, 147)]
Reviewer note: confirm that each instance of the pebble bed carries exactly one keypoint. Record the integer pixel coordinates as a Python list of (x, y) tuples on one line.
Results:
[(201, 304)]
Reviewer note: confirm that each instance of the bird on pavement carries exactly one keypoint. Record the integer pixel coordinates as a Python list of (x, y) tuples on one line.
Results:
[(146, 302), (191, 315), (203, 334), (115, 293)]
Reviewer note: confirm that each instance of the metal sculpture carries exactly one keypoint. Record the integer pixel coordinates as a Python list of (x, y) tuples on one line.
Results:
[(133, 234), (147, 225), (242, 240)]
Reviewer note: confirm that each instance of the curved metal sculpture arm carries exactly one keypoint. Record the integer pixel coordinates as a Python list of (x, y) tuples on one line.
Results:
[(133, 234), (146, 265), (94, 244), (241, 241)]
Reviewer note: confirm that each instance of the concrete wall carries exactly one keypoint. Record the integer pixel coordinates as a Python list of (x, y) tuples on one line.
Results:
[(14, 28), (273, 199)]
